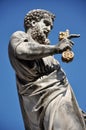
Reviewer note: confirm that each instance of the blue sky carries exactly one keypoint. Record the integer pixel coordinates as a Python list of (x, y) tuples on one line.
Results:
[(70, 14)]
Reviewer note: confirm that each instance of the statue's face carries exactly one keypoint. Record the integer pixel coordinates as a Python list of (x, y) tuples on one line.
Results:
[(45, 26), (41, 30)]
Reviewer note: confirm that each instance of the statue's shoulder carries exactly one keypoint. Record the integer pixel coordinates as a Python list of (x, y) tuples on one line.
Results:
[(19, 34), (17, 38)]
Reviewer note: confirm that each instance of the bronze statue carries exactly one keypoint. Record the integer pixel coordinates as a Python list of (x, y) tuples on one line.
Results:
[(46, 98)]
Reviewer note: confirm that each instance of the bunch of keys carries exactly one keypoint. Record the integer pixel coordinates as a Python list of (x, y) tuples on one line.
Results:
[(68, 55)]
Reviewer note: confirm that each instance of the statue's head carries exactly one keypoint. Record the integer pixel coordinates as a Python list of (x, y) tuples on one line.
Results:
[(40, 23), (36, 15)]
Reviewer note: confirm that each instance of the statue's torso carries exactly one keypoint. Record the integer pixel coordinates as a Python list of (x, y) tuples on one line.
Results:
[(30, 70)]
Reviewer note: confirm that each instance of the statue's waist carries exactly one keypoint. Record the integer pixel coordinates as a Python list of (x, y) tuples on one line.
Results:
[(54, 79)]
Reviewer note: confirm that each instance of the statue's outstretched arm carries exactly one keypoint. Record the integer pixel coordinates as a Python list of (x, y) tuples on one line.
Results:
[(29, 50)]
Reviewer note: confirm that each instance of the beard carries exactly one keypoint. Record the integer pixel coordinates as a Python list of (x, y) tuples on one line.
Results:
[(38, 35)]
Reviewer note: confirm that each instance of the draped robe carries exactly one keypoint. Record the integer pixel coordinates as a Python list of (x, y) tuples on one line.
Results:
[(46, 98)]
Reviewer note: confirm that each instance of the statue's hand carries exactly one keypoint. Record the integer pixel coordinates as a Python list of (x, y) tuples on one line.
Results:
[(64, 44)]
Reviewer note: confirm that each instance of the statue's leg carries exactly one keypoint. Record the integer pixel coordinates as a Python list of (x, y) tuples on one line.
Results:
[(63, 113), (30, 117), (66, 118)]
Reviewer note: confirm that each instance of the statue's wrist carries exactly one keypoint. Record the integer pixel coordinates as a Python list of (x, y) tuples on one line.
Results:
[(57, 50)]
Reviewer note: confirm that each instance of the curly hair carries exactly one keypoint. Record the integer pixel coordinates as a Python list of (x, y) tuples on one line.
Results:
[(36, 15)]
